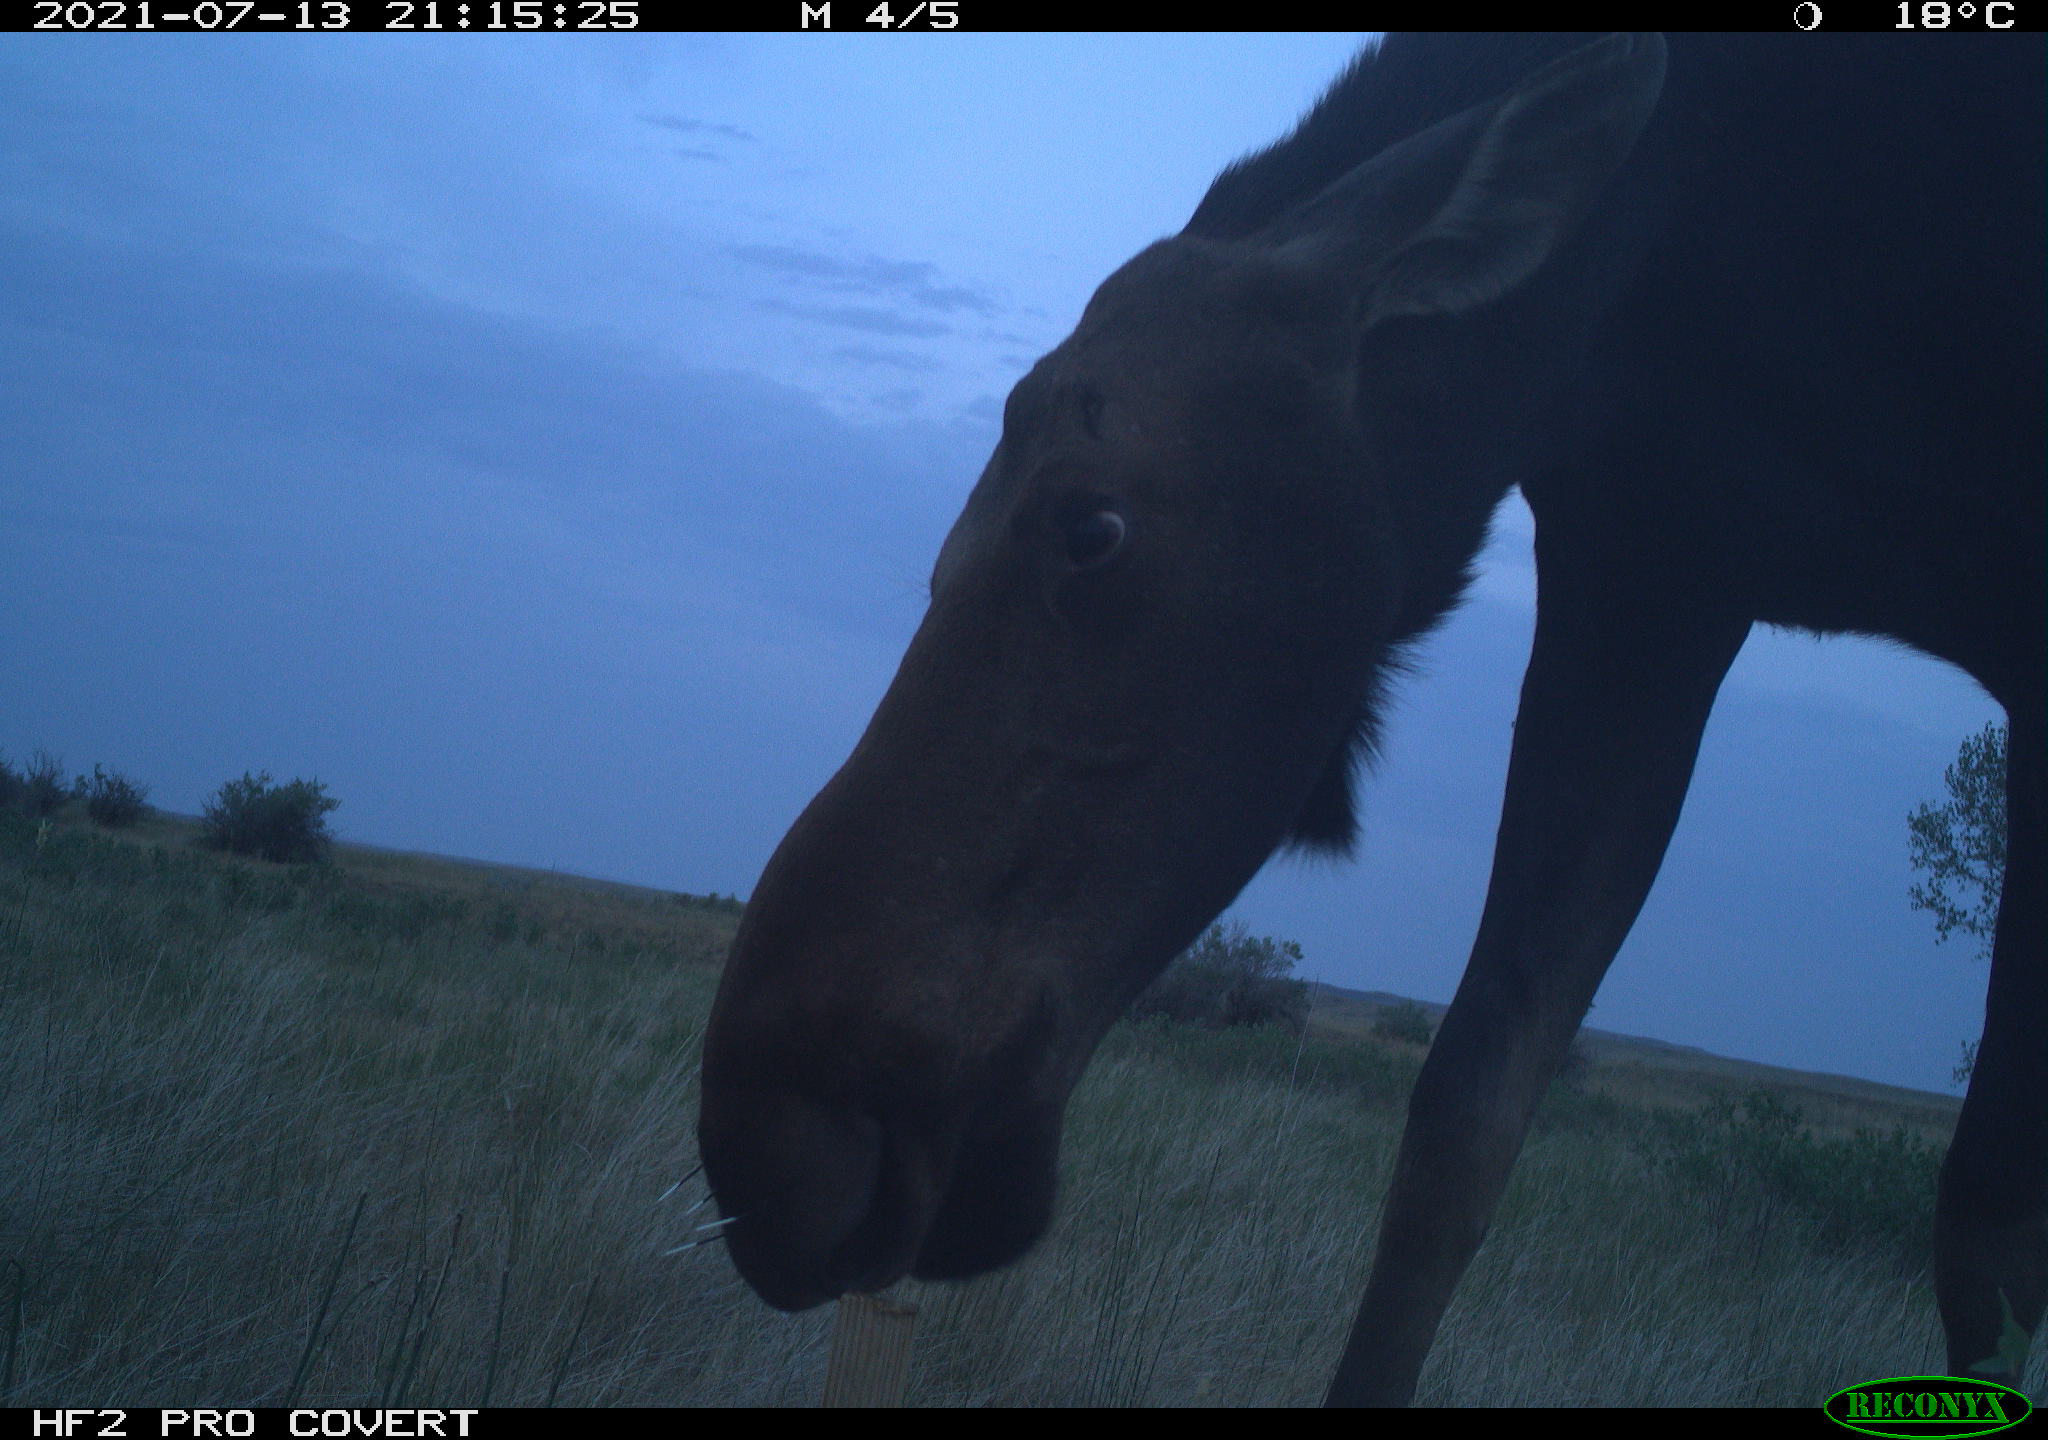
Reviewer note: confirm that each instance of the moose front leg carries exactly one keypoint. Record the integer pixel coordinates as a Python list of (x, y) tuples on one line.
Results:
[(1620, 682)]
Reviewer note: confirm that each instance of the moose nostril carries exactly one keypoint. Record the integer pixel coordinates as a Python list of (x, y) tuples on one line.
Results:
[(1094, 536)]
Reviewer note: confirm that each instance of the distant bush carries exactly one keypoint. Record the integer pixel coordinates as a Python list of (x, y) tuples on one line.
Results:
[(1577, 1066), (716, 903), (113, 800), (1874, 1189), (283, 823), (1228, 977), (44, 792), (1407, 1022), (12, 785)]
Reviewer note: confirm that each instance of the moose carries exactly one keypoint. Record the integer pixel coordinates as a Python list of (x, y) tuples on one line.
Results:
[(1756, 325)]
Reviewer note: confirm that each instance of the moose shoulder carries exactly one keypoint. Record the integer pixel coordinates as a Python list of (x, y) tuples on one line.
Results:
[(1756, 324)]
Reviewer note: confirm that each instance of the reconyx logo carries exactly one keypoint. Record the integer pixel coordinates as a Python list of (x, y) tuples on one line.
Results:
[(1926, 1405)]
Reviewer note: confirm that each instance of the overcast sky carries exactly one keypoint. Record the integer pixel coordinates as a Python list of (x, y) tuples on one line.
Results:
[(544, 441)]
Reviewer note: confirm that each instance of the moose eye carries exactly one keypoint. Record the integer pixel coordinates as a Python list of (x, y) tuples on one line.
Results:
[(1093, 536)]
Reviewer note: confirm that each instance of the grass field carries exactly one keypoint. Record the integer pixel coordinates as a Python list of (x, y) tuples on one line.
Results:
[(396, 1131)]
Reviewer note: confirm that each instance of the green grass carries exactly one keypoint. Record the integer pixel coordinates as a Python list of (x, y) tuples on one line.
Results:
[(394, 1131)]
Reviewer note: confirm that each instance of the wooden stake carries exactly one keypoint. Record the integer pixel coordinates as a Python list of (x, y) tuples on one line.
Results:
[(870, 1365)]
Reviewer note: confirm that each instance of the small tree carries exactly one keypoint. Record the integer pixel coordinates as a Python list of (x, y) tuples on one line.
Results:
[(1407, 1022), (44, 792), (113, 800), (12, 786), (1230, 977), (1962, 844), (282, 823)]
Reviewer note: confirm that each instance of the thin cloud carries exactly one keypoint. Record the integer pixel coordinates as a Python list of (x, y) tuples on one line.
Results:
[(856, 317), (895, 359), (684, 126), (906, 280)]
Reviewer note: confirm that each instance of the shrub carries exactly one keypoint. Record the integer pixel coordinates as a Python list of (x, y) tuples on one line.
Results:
[(43, 792), (283, 823), (1407, 1022), (1874, 1190), (714, 902), (1228, 977), (12, 785), (1577, 1066), (113, 800)]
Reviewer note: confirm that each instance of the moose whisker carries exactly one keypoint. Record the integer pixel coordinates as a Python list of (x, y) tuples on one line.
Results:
[(695, 1171), (706, 1240)]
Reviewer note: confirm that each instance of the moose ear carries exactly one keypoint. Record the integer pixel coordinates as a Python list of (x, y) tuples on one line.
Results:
[(1460, 214)]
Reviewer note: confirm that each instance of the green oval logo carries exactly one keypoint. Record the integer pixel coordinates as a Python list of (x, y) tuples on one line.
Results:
[(1911, 1406)]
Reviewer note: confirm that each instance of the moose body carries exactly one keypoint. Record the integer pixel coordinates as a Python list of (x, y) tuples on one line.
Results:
[(1755, 324)]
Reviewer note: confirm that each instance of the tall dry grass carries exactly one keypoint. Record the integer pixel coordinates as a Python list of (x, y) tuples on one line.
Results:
[(396, 1132)]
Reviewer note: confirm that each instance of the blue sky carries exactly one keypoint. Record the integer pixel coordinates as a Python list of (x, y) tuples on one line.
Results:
[(544, 441)]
